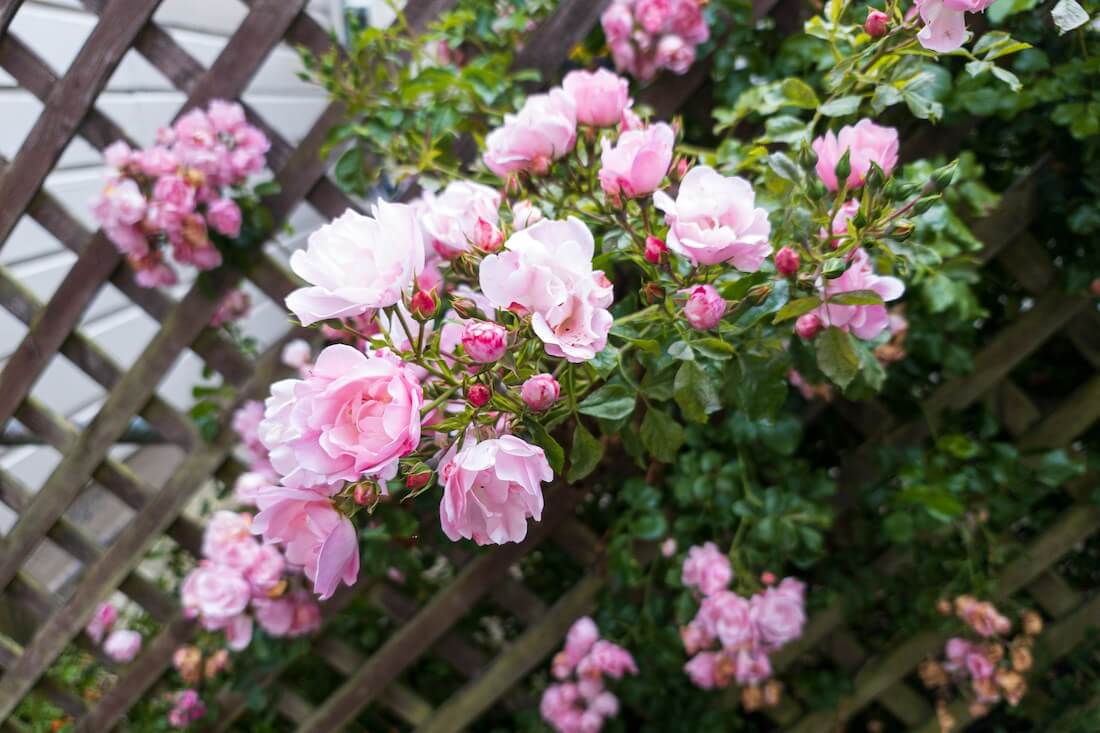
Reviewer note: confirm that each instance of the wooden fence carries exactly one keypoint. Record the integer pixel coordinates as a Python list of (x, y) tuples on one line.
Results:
[(69, 111)]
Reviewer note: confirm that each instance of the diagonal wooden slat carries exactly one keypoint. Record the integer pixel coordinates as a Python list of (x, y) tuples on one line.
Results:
[(8, 9), (68, 103)]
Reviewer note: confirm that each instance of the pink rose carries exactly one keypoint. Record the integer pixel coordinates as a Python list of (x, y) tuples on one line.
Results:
[(638, 162), (675, 54), (582, 635), (707, 569), (307, 615), (224, 530), (296, 354), (700, 669), (484, 341), (606, 658), (274, 615), (876, 24), (714, 219), (978, 665), (187, 708), (808, 326), (491, 488), (944, 27), (956, 652), (653, 15), (865, 321), (866, 143), (151, 271), (752, 666), (102, 620), (695, 637), (778, 615), (249, 485), (688, 22), (130, 240), (983, 617), (122, 645), (524, 214), (175, 192), (233, 307), (118, 154), (318, 538), (452, 217), (704, 308), (225, 216), (353, 415), (542, 131), (546, 269), (215, 593), (156, 161), (540, 392), (266, 570), (225, 116), (727, 616), (357, 263), (617, 21), (120, 204), (599, 96), (238, 632)]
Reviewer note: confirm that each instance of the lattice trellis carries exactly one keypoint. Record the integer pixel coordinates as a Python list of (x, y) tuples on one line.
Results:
[(69, 111)]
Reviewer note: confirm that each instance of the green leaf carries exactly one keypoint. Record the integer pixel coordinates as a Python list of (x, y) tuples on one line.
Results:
[(695, 392), (784, 167), (886, 96), (758, 383), (841, 106), (555, 454), (785, 129), (798, 93), (662, 436), (1008, 78), (585, 454), (650, 527), (796, 308), (1004, 8), (856, 297), (611, 402), (715, 348), (1067, 15), (1057, 467), (837, 357)]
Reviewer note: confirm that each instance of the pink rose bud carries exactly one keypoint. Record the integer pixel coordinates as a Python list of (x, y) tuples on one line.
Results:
[(104, 618), (365, 493), (122, 645), (487, 236), (808, 326), (478, 395), (423, 304), (767, 577), (484, 341), (540, 392), (668, 547), (418, 480), (787, 261), (876, 23), (654, 248), (704, 308)]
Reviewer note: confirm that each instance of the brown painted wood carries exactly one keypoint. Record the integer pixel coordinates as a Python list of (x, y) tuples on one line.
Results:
[(549, 45), (8, 9)]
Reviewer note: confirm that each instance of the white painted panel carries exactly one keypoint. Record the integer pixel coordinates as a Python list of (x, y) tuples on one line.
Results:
[(28, 240), (64, 388), (30, 465), (184, 374), (43, 274), (123, 335)]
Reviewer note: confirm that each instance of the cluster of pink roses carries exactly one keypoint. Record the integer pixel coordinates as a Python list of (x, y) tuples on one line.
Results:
[(187, 707), (580, 702), (646, 36), (121, 645), (172, 194), (238, 574), (994, 665), (731, 637)]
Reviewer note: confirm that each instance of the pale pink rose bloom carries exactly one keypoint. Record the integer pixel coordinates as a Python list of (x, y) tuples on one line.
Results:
[(173, 191), (233, 307), (452, 216), (978, 665), (318, 538), (866, 142), (700, 669), (296, 354), (715, 219), (559, 709), (582, 635), (844, 214), (215, 593), (120, 204), (638, 162), (546, 270), (156, 161), (983, 617), (484, 341), (752, 666), (524, 214), (617, 21), (132, 242), (944, 27), (187, 708), (778, 615), (225, 116), (540, 392), (118, 154), (668, 547), (599, 96), (654, 15), (956, 651), (357, 263), (704, 307), (675, 54), (706, 568), (151, 271), (605, 703), (102, 620), (122, 645), (194, 130), (542, 131), (224, 530), (688, 22), (491, 488), (864, 321), (970, 6), (727, 616), (695, 637), (224, 216), (606, 658), (354, 414), (266, 570), (238, 632), (274, 615), (307, 614), (246, 424)]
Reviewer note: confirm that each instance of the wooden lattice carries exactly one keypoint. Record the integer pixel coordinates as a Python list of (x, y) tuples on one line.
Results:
[(69, 111)]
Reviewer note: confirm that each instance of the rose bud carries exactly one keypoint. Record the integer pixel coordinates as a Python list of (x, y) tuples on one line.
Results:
[(487, 237), (767, 577), (365, 493), (787, 261), (876, 23), (418, 478), (540, 392), (484, 341), (808, 326), (704, 308), (423, 305), (478, 395), (654, 248)]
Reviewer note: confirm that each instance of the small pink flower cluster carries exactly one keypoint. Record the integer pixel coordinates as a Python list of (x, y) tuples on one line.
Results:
[(172, 194), (238, 574), (580, 702), (121, 645), (731, 637), (994, 666), (646, 36), (187, 707)]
